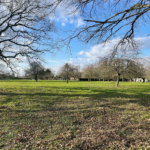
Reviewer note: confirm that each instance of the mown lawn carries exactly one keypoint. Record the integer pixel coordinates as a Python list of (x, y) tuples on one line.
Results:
[(55, 115)]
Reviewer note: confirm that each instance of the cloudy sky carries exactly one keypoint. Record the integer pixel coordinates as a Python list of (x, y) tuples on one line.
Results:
[(82, 54)]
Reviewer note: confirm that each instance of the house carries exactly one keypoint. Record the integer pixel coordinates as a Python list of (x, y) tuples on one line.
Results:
[(137, 80)]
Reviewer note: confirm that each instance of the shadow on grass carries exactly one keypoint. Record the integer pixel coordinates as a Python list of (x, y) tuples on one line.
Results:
[(59, 109), (54, 95)]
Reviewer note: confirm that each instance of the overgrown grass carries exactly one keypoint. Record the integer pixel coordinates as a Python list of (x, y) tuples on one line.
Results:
[(79, 115)]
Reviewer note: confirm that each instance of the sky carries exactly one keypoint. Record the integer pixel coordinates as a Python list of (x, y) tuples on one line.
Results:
[(81, 53)]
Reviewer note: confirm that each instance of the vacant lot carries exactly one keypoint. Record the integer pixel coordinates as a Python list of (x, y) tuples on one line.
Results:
[(80, 115)]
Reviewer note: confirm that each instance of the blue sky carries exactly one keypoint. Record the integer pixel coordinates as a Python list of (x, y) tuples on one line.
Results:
[(81, 53)]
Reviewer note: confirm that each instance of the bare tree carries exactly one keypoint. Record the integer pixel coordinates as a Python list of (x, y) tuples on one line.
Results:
[(98, 71), (66, 71), (3, 70), (148, 72), (121, 61), (103, 71), (135, 70), (48, 74), (34, 70), (88, 72), (76, 72), (25, 29), (106, 19)]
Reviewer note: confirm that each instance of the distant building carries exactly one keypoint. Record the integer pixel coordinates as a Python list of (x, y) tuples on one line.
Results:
[(72, 78), (140, 80)]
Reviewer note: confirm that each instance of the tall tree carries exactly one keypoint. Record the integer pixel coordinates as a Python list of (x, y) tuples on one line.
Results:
[(88, 71), (66, 71), (25, 29), (121, 60), (34, 70), (76, 72)]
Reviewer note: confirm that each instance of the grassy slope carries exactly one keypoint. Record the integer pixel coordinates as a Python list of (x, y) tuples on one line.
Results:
[(80, 115)]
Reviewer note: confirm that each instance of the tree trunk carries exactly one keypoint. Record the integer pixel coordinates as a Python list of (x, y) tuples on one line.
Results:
[(143, 80), (36, 78), (118, 78), (67, 73), (67, 79), (103, 79)]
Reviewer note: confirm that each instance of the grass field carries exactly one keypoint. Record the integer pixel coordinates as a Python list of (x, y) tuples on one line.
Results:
[(79, 115)]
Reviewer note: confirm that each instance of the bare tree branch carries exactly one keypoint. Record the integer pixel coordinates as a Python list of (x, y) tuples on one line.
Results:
[(106, 19), (25, 29)]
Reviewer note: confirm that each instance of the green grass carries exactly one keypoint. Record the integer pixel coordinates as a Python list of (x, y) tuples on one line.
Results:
[(79, 115)]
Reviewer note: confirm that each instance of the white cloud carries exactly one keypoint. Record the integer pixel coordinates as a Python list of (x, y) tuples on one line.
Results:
[(89, 59), (81, 53), (65, 15), (55, 70), (145, 42), (80, 61), (102, 50), (80, 22), (71, 21), (63, 24), (52, 61), (3, 34)]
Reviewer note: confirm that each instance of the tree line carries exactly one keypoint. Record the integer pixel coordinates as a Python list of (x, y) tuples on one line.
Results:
[(106, 69)]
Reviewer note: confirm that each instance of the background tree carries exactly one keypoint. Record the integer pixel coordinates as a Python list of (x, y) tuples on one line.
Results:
[(148, 72), (98, 71), (66, 71), (106, 72), (88, 72), (34, 70), (49, 74), (45, 74), (76, 72), (121, 60), (135, 70)]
